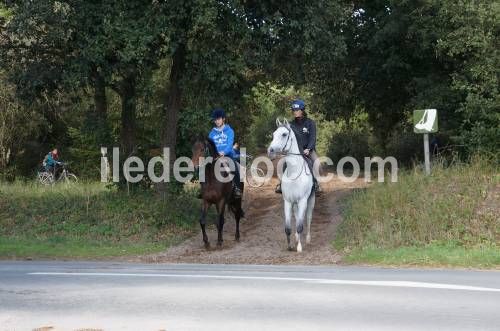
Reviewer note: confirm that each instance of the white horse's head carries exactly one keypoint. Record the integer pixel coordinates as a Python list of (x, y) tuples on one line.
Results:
[(282, 139)]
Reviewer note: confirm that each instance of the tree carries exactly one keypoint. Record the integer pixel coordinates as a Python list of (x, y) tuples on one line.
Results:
[(421, 54), (207, 45), (470, 44), (63, 46)]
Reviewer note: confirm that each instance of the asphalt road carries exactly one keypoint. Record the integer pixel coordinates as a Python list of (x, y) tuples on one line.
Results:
[(120, 296)]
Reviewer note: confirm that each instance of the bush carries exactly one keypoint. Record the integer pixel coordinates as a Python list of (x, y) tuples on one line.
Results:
[(352, 137), (419, 210)]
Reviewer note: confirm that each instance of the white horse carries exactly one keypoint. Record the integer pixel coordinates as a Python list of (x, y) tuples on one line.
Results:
[(296, 182)]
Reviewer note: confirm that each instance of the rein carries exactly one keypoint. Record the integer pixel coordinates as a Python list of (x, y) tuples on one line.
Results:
[(283, 152), (287, 152)]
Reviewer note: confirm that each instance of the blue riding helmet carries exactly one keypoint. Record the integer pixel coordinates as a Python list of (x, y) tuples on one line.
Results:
[(218, 113), (298, 104)]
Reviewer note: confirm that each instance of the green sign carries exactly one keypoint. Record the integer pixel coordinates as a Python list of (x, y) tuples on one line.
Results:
[(425, 121)]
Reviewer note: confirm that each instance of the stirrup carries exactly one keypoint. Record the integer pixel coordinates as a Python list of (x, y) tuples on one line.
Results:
[(237, 192), (317, 189)]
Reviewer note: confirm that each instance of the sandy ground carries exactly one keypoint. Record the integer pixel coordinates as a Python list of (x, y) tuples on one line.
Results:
[(263, 239)]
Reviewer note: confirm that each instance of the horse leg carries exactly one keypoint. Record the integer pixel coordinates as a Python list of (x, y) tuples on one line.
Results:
[(310, 208), (220, 225), (203, 222), (299, 219), (288, 222)]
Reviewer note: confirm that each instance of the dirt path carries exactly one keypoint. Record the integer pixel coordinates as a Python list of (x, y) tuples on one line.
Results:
[(263, 238)]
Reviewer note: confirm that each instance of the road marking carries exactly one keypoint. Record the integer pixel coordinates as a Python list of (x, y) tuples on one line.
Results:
[(307, 280)]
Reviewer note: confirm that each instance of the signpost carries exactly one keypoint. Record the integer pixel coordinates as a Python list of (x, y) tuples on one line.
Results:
[(425, 121)]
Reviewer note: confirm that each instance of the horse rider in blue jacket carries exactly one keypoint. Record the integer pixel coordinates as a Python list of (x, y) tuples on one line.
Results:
[(223, 137)]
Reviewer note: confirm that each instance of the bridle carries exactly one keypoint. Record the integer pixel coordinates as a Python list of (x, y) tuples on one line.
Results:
[(206, 151), (287, 152)]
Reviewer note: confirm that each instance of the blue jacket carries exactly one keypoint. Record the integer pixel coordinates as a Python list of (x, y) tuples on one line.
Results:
[(50, 160), (223, 139)]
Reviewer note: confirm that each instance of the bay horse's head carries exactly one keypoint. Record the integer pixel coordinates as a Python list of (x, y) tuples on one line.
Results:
[(202, 147), (282, 139)]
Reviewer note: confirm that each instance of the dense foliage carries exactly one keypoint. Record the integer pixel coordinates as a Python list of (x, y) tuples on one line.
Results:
[(143, 75)]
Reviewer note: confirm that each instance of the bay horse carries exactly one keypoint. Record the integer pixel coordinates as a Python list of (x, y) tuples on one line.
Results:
[(296, 182), (214, 191)]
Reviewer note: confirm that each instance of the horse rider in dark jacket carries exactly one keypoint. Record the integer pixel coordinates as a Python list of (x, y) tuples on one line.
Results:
[(304, 129)]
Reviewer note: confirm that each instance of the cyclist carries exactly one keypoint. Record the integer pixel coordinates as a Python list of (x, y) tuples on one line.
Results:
[(51, 162)]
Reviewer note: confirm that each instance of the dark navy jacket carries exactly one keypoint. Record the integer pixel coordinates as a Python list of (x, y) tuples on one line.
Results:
[(305, 132)]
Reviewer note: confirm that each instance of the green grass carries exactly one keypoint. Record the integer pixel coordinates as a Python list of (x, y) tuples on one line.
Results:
[(433, 255), (57, 247), (447, 219), (89, 221)]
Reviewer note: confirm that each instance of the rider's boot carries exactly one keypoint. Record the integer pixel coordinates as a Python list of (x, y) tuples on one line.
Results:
[(278, 189), (237, 192), (317, 188)]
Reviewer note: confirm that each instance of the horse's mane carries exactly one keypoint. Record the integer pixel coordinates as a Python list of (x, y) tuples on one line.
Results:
[(211, 147), (208, 142)]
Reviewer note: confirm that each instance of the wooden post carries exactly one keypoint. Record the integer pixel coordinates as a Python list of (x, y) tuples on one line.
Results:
[(426, 152), (104, 165)]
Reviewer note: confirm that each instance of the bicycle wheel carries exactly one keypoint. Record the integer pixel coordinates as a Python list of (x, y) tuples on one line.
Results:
[(71, 178), (255, 177), (45, 178)]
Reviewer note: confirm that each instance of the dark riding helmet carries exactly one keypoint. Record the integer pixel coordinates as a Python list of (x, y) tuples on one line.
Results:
[(218, 113), (298, 104)]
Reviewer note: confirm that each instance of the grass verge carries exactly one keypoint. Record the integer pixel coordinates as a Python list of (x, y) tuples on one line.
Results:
[(447, 219), (90, 221), (433, 255)]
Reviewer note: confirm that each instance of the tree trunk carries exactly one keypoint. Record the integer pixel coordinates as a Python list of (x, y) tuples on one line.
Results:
[(101, 110), (173, 102), (100, 102), (128, 117)]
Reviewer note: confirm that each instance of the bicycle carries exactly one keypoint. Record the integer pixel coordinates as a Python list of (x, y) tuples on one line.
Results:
[(47, 177), (254, 176)]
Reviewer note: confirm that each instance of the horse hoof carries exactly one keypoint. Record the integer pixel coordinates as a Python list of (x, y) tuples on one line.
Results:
[(299, 248), (308, 239), (237, 238), (219, 244), (207, 245), (290, 249)]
